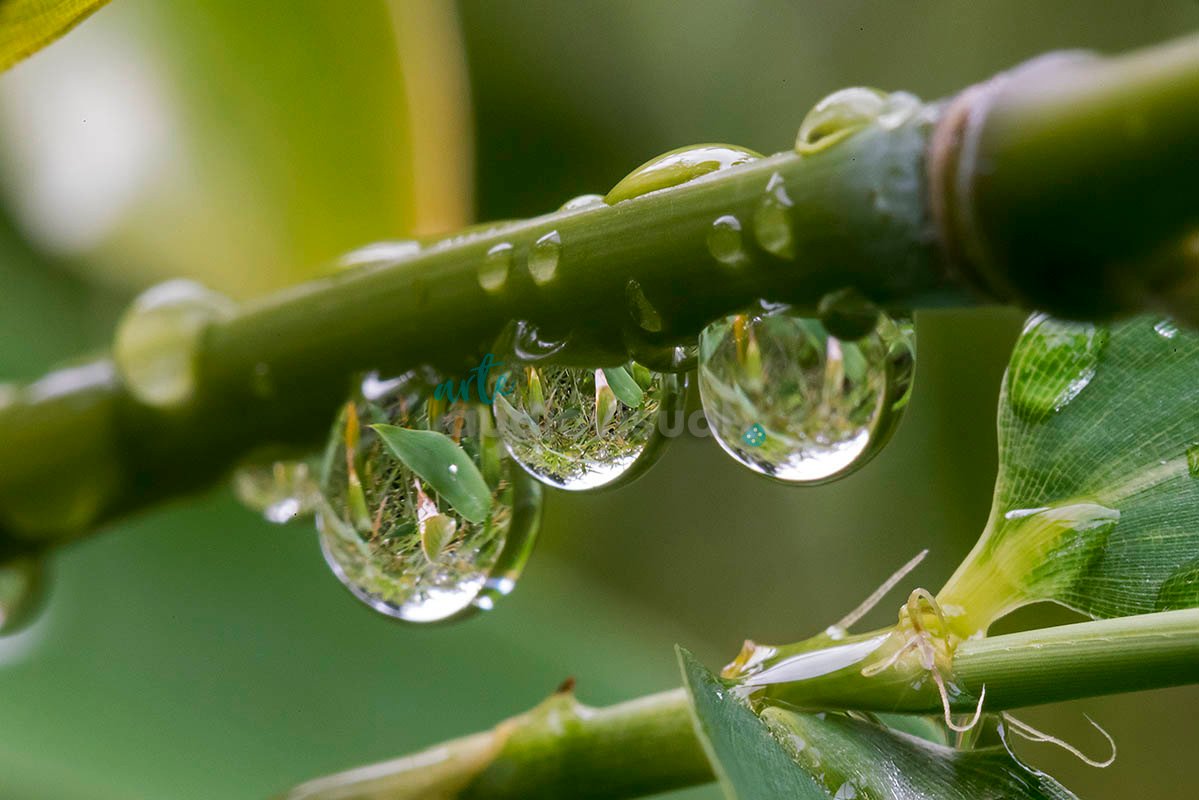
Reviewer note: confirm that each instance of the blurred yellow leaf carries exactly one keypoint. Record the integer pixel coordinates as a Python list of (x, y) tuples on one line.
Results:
[(243, 145), (27, 26)]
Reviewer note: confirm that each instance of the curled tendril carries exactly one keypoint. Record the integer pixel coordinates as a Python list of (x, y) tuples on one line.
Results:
[(1026, 731)]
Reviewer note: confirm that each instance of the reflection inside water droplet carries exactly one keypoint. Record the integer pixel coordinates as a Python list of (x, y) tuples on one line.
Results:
[(579, 428), (788, 400), (398, 545)]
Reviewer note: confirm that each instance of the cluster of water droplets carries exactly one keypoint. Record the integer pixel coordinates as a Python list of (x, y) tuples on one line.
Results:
[(430, 526), (788, 399), (782, 394)]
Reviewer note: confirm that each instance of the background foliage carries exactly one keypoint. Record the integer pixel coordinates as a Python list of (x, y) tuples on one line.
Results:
[(196, 652)]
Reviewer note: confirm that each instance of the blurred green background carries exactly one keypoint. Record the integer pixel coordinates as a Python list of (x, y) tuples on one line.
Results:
[(195, 651)]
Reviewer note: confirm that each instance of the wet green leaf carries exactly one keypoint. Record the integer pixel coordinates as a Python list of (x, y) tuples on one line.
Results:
[(624, 387), (27, 26), (1096, 504), (787, 754), (747, 760), (444, 466)]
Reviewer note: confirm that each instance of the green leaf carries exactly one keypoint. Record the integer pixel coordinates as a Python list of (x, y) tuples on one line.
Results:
[(435, 533), (857, 759), (1096, 504), (747, 760), (443, 465), (787, 754), (27, 26), (624, 387)]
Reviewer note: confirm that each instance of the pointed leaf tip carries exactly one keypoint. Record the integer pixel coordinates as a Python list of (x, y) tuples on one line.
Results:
[(442, 464)]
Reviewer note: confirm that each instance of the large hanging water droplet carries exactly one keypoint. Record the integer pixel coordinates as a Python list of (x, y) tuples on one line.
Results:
[(1052, 364), (678, 167), (22, 590), (543, 258), (788, 400), (156, 347), (772, 219), (494, 269), (579, 428), (423, 516), (281, 490)]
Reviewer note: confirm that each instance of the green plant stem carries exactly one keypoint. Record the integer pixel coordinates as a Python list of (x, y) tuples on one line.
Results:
[(559, 749), (562, 749), (866, 214)]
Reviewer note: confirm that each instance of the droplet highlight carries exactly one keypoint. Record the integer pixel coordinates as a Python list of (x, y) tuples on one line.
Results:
[(1166, 329), (678, 167), (577, 428), (423, 516), (157, 342), (543, 258), (725, 241), (497, 263), (787, 399)]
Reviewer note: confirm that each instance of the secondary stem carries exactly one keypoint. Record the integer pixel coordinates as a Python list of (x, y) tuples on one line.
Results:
[(562, 749)]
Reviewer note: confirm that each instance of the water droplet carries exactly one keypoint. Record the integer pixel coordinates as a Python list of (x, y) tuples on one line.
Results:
[(844, 112), (678, 167), (641, 309), (22, 590), (837, 116), (493, 272), (378, 253), (579, 428), (772, 220), (822, 406), (1166, 329), (397, 544), (1052, 364), (582, 201), (1193, 460), (725, 241), (543, 258), (281, 490), (1180, 590), (848, 791), (156, 347)]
